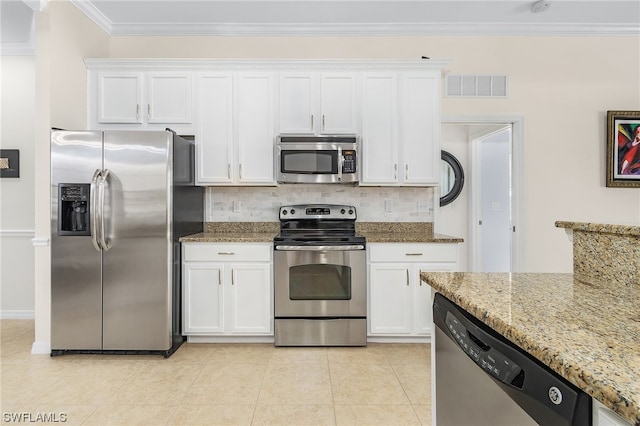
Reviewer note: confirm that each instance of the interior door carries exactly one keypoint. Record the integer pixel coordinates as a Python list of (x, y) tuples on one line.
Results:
[(137, 264)]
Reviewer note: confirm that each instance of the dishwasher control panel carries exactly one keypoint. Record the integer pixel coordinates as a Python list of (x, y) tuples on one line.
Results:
[(490, 360)]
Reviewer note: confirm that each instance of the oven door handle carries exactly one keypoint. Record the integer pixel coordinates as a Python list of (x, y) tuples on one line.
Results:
[(321, 248)]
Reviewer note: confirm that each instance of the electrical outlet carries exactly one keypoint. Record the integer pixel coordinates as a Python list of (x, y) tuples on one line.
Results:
[(423, 207), (388, 206), (237, 206)]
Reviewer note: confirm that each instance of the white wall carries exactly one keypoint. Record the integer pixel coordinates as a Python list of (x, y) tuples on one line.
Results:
[(17, 208)]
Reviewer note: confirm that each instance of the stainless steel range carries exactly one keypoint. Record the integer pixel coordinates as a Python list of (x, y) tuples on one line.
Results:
[(320, 277)]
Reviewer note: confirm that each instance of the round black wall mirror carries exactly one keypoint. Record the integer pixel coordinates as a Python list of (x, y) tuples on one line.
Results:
[(451, 178)]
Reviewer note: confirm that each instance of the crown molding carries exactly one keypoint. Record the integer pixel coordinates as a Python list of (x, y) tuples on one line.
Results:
[(89, 9), (385, 29)]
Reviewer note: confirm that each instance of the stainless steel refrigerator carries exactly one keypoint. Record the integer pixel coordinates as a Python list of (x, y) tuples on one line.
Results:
[(120, 202)]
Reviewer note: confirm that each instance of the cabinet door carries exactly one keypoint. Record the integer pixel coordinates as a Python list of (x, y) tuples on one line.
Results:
[(251, 299), (390, 295), (202, 299), (255, 134), (337, 104), (297, 103), (119, 97), (214, 137), (379, 129), (422, 300), (420, 129), (169, 98)]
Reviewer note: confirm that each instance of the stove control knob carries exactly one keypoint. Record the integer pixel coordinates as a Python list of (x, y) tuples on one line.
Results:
[(293, 211), (284, 212), (350, 211), (343, 211)]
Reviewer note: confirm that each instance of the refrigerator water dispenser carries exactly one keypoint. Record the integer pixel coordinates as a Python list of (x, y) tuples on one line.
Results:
[(73, 208)]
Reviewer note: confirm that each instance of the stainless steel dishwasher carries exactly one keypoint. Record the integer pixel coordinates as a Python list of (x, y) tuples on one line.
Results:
[(481, 378)]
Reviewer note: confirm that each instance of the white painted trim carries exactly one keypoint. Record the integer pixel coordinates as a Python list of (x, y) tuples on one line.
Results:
[(230, 339), (40, 242), (357, 29), (18, 314), (517, 157), (89, 9), (147, 64), (41, 348), (17, 49), (17, 233)]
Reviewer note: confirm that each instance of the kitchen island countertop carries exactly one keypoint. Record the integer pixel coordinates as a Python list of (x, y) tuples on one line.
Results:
[(586, 331)]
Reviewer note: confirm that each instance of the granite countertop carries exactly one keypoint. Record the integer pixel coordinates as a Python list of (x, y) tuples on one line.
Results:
[(402, 232), (588, 332), (230, 237), (374, 232), (235, 232)]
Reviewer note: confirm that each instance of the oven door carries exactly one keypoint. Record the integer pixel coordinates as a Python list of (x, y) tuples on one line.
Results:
[(314, 282)]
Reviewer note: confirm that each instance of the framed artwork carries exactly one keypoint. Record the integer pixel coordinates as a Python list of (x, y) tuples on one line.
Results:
[(623, 149), (9, 163)]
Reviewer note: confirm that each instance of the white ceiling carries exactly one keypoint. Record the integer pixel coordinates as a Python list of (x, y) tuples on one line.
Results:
[(354, 17), (335, 17)]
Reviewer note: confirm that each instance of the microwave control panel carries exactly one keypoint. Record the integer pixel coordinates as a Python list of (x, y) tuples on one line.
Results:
[(349, 165)]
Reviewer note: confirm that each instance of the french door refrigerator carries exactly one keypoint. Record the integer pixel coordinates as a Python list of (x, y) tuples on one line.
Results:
[(120, 202)]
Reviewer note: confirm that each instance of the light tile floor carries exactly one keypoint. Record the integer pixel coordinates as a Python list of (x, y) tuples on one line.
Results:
[(216, 384)]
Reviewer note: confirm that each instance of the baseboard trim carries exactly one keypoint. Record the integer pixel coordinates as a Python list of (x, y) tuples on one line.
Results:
[(41, 348), (18, 314)]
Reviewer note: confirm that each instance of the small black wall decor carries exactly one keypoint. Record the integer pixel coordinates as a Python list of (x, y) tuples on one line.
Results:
[(9, 163)]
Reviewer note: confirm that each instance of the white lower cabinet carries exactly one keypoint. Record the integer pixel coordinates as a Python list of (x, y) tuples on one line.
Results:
[(399, 302), (227, 289), (603, 416)]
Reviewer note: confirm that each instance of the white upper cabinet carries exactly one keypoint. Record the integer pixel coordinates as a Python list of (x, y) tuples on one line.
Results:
[(400, 129), (420, 128), (379, 137), (317, 103), (169, 98), (255, 130), (119, 97), (215, 132), (144, 100), (235, 136)]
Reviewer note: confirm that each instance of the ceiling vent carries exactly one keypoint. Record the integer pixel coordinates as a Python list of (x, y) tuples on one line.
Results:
[(490, 86)]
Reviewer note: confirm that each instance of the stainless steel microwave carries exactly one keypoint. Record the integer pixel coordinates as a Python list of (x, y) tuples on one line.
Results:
[(318, 159)]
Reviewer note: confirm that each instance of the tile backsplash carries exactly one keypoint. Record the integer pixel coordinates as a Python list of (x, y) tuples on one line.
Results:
[(373, 204)]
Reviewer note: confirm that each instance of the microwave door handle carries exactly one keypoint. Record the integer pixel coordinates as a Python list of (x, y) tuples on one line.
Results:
[(340, 164)]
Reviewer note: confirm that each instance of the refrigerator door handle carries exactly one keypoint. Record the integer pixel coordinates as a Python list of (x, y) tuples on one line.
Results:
[(93, 211), (103, 182)]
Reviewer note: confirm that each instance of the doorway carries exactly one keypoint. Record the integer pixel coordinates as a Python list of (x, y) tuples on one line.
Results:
[(490, 214), (487, 213)]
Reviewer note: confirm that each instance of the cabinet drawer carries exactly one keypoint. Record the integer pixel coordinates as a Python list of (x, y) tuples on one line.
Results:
[(245, 252), (392, 252)]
